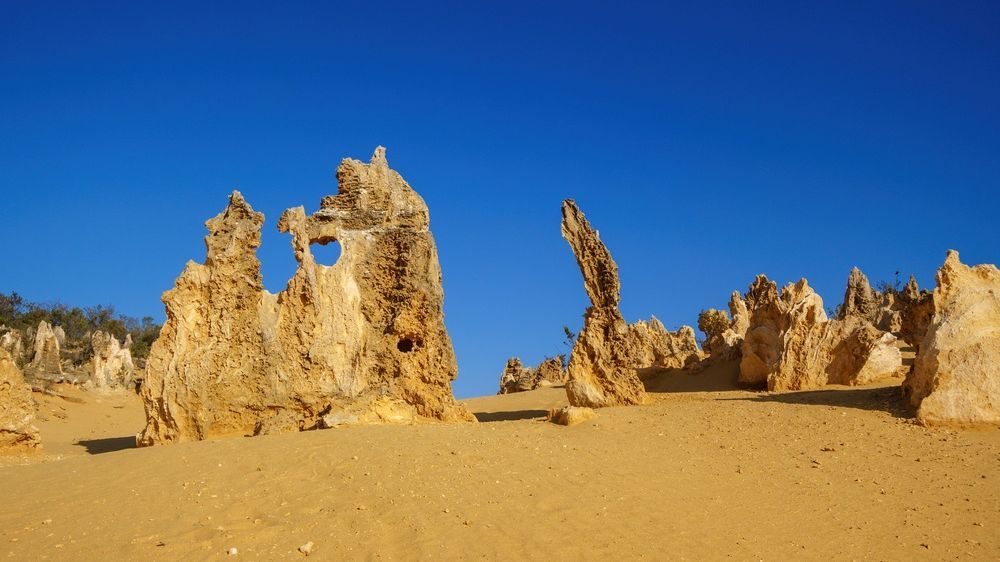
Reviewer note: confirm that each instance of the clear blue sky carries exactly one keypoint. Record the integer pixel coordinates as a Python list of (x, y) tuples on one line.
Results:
[(706, 143)]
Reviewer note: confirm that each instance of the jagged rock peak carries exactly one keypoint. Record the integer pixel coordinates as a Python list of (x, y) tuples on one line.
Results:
[(600, 272), (360, 341), (859, 298), (956, 378)]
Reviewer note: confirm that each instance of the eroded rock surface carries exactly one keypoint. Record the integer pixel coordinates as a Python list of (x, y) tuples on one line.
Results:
[(956, 378), (112, 364), (17, 410), (45, 359), (518, 378), (363, 339), (860, 299), (571, 415), (608, 352), (792, 345), (724, 335), (12, 341), (917, 313)]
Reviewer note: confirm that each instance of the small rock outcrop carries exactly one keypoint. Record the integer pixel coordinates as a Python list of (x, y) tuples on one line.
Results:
[(792, 345), (17, 411), (713, 323), (724, 336), (112, 364), (917, 313), (363, 339), (518, 378), (603, 365), (860, 299), (956, 378), (12, 341), (45, 359), (571, 415)]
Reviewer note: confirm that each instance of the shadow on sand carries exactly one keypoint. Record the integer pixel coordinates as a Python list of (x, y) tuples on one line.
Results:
[(716, 377), (108, 445), (511, 415), (885, 399)]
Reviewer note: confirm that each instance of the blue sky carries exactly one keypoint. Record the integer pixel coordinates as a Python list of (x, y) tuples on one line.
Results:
[(708, 142)]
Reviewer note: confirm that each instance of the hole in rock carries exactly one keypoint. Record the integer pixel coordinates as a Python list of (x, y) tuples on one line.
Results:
[(326, 252), (405, 345)]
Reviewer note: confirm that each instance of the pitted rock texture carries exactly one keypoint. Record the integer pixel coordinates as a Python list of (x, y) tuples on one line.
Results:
[(12, 341), (518, 378), (363, 339), (860, 299), (17, 411), (45, 359), (791, 345), (917, 313), (571, 415), (956, 378), (655, 346), (112, 365), (608, 352), (724, 335)]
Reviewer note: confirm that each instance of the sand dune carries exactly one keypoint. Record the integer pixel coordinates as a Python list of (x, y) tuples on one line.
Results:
[(699, 473)]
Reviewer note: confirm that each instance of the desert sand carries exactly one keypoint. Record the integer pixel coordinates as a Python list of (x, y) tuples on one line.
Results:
[(703, 471)]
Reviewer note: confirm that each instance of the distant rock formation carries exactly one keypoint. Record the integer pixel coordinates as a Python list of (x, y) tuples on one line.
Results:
[(792, 345), (17, 410), (12, 341), (608, 352), (60, 335), (917, 313), (956, 378), (363, 339), (45, 360), (658, 347), (724, 336), (860, 300), (112, 364), (518, 378)]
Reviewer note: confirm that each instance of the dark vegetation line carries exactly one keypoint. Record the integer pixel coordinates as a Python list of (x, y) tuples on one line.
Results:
[(78, 323)]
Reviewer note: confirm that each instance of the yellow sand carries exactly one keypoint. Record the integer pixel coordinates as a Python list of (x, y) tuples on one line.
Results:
[(702, 472)]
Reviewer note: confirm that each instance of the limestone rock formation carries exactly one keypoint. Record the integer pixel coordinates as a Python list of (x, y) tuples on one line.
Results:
[(791, 345), (608, 352), (917, 313), (17, 410), (12, 342), (956, 378), (860, 299), (45, 360), (112, 365), (884, 310), (713, 323), (363, 339), (741, 315), (518, 378), (654, 345), (60, 335), (571, 415), (551, 371)]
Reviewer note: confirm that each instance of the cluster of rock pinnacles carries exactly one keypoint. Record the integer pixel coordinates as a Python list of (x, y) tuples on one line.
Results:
[(364, 340)]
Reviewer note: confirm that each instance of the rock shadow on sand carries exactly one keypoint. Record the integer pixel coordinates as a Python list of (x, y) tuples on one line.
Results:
[(887, 399), (716, 377), (108, 445), (510, 415)]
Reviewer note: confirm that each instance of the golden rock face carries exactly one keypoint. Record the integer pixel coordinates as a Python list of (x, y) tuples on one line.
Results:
[(608, 352), (956, 377), (351, 341), (17, 433)]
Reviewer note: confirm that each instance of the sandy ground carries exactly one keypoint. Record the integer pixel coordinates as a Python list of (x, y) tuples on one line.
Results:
[(704, 472)]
